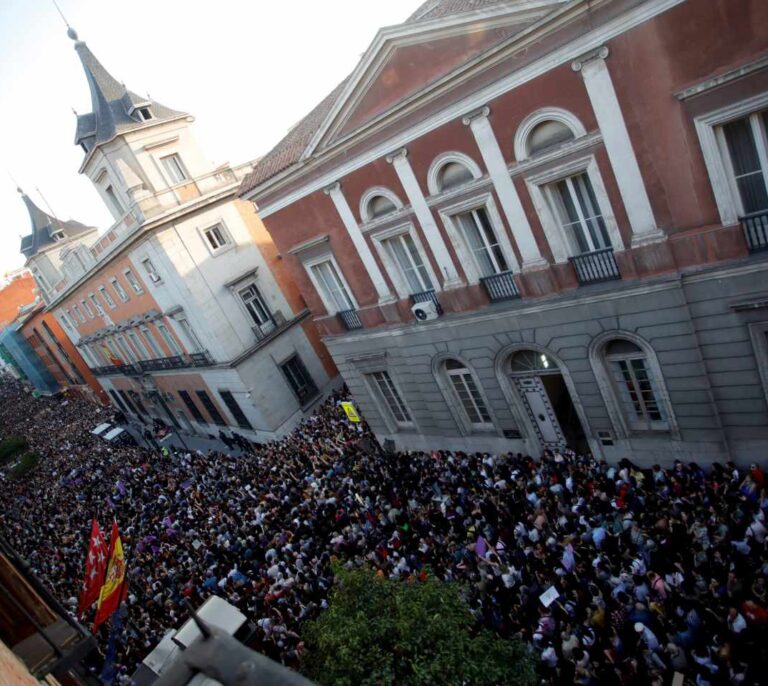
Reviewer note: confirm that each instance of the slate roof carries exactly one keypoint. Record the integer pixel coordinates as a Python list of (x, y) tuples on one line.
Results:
[(111, 104), (289, 150), (43, 228)]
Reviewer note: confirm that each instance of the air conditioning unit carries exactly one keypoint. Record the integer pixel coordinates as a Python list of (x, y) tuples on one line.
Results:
[(425, 311)]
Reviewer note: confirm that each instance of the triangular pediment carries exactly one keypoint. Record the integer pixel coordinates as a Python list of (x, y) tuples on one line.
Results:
[(408, 60)]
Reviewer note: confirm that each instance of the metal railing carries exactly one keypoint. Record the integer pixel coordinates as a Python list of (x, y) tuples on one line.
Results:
[(755, 227), (350, 320), (427, 297), (200, 359), (500, 286), (597, 266)]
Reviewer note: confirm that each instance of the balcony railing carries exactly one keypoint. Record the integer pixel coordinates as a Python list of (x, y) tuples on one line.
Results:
[(500, 287), (597, 266), (350, 320), (200, 359), (755, 227), (427, 297)]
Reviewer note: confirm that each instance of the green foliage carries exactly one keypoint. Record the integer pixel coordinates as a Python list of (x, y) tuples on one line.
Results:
[(12, 446), (377, 632), (26, 464)]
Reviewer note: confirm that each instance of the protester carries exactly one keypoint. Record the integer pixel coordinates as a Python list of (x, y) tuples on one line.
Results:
[(610, 574)]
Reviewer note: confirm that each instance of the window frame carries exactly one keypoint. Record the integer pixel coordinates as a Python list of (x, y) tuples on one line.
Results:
[(87, 308), (330, 306), (79, 313), (167, 335), (151, 270), (179, 169), (457, 235), (194, 342), (151, 341), (383, 404), (434, 173), (106, 297), (623, 425), (225, 233), (560, 243), (312, 390), (210, 408), (99, 309), (135, 340), (190, 404), (758, 333), (113, 200), (718, 165), (265, 326), (465, 372), (133, 282), (367, 198), (392, 266), (117, 287), (242, 423)]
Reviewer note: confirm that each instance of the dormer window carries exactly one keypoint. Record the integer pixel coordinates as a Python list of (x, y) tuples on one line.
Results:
[(144, 113)]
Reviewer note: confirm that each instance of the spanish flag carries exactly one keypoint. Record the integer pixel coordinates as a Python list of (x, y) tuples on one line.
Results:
[(114, 589)]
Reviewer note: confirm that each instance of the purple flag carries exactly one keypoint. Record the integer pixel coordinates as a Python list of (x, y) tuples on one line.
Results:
[(481, 547), (120, 486)]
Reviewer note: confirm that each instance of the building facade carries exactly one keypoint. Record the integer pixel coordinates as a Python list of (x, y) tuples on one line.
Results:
[(528, 224), (182, 308)]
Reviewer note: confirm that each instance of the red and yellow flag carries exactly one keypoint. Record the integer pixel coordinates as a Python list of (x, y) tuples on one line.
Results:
[(114, 589)]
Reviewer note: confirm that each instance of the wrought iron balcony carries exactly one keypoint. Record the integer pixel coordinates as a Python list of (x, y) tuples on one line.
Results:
[(597, 266), (427, 297), (200, 359), (500, 286), (755, 227), (350, 320)]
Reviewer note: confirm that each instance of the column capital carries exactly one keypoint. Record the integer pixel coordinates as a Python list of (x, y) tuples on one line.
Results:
[(402, 153), (333, 188), (479, 113), (600, 53)]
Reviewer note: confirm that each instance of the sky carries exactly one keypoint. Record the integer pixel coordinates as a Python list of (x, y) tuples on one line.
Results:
[(247, 70)]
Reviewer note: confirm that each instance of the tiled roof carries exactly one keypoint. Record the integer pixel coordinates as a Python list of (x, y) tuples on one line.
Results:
[(289, 150)]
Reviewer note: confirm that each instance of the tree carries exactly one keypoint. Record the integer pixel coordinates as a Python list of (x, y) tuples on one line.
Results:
[(377, 631)]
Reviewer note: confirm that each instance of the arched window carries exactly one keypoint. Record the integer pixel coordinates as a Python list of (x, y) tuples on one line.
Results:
[(378, 202), (378, 206), (470, 399), (630, 380), (548, 134), (546, 129), (451, 170), (526, 361), (452, 175)]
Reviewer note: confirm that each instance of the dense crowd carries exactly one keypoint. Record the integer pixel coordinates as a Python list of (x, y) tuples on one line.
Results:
[(656, 571)]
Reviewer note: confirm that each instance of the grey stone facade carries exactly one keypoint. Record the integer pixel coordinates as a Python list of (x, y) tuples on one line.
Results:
[(696, 326)]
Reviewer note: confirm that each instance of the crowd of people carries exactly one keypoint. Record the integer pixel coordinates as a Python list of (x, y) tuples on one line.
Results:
[(611, 574)]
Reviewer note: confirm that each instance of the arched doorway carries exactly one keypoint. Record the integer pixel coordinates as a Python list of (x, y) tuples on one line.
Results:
[(546, 399)]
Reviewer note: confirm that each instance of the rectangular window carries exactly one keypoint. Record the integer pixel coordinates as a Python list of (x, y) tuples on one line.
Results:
[(333, 289), (194, 341), (192, 407), (210, 408), (169, 340), (403, 251), (391, 397), (119, 290), (133, 337), (747, 141), (114, 201), (255, 305), (126, 349), (87, 309), (471, 400), (114, 355), (66, 321), (107, 297), (483, 242), (216, 236), (579, 214), (151, 271), (156, 350), (299, 379), (77, 312), (133, 282), (174, 168), (40, 279), (97, 305), (633, 379), (137, 401), (235, 409)]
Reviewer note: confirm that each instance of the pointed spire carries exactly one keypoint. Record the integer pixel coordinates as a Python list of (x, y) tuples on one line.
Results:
[(112, 104), (44, 226)]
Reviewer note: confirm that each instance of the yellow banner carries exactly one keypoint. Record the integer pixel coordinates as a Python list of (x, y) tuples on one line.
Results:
[(115, 573), (351, 412)]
